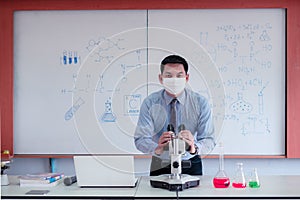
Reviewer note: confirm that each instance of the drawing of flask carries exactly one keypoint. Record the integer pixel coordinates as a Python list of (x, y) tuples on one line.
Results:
[(254, 181), (241, 106), (239, 180), (108, 116), (221, 180)]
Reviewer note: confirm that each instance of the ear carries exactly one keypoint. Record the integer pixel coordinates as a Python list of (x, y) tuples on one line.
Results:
[(160, 78), (187, 78)]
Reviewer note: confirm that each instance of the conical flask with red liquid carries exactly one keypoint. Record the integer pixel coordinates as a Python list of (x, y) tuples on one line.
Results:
[(239, 180), (221, 179)]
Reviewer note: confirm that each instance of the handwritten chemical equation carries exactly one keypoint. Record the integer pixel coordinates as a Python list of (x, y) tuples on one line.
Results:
[(242, 55)]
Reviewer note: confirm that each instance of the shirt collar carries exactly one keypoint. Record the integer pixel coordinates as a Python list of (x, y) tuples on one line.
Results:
[(181, 98)]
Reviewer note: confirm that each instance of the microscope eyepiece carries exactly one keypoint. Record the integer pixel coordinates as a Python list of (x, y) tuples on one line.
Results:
[(170, 127), (181, 127)]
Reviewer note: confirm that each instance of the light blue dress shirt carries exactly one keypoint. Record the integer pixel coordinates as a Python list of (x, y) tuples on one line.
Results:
[(193, 111)]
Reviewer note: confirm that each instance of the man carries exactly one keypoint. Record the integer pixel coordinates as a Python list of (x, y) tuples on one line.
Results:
[(192, 110)]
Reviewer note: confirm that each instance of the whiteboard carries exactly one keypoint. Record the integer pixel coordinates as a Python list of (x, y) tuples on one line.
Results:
[(80, 87), (247, 47), (68, 65)]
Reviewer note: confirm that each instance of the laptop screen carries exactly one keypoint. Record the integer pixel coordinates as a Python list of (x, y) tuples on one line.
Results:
[(105, 171)]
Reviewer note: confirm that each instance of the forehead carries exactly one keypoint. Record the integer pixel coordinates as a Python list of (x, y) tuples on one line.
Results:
[(173, 67)]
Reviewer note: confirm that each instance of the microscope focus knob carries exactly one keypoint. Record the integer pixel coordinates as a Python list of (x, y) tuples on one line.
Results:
[(175, 164)]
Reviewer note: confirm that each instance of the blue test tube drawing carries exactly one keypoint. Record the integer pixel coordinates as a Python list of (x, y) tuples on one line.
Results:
[(70, 57), (71, 112), (65, 58), (75, 58)]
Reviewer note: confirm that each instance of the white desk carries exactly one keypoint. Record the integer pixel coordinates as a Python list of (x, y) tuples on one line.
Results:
[(14, 191), (271, 187)]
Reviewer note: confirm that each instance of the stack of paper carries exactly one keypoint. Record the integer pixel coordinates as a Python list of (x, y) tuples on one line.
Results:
[(41, 180)]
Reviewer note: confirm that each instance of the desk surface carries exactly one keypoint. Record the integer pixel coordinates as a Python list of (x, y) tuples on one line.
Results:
[(14, 191), (271, 187)]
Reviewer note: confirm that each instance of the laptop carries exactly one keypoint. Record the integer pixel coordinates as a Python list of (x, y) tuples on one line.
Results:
[(105, 171)]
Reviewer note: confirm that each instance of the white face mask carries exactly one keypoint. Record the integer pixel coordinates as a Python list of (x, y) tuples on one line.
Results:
[(174, 85)]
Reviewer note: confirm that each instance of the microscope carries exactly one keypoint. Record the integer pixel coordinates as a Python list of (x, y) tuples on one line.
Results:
[(175, 181)]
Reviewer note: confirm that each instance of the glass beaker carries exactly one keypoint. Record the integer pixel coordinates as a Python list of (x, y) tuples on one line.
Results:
[(254, 181), (239, 180), (221, 180)]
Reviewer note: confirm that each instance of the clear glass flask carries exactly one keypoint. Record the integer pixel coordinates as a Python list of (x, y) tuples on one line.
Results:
[(221, 180), (239, 180), (254, 180)]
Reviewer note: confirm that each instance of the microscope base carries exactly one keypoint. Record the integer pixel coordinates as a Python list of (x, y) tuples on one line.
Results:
[(166, 181)]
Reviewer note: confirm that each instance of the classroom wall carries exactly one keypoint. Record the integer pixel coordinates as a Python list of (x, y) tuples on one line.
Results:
[(281, 166), (6, 50), (271, 166)]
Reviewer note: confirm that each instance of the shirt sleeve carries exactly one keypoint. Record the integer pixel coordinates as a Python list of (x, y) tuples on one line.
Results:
[(205, 138), (144, 131)]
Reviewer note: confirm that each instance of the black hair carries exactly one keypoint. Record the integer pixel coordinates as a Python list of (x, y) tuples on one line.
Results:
[(174, 59)]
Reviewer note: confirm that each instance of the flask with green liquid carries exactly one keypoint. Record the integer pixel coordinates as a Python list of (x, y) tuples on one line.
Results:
[(254, 181)]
